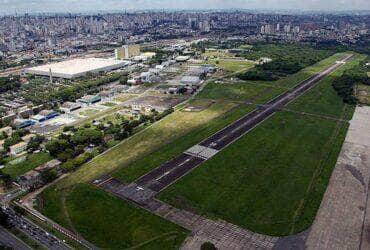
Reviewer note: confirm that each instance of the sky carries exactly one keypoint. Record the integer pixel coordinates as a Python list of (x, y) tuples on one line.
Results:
[(32, 6)]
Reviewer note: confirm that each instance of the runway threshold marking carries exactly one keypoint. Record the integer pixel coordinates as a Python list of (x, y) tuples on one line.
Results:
[(105, 181)]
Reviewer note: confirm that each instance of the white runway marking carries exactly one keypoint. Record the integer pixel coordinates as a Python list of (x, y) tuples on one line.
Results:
[(163, 175)]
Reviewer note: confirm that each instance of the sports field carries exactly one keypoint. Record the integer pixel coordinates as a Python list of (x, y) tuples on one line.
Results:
[(31, 162)]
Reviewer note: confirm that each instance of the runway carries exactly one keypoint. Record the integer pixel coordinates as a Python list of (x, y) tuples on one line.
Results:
[(147, 186)]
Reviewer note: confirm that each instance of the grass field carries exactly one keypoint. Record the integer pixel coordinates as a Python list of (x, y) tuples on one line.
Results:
[(236, 91), (119, 226), (89, 112), (32, 161), (262, 182), (98, 115), (363, 93), (217, 54), (232, 65), (124, 97), (109, 104)]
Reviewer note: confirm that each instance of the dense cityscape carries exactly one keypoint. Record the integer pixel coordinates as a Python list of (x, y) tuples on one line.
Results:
[(196, 129), (37, 35)]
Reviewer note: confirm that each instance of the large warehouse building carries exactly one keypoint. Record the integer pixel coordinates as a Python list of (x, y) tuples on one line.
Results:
[(76, 67)]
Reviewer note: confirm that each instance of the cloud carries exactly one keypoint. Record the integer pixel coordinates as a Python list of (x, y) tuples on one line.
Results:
[(21, 6)]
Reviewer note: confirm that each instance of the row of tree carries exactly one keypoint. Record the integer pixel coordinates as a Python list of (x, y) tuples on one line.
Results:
[(9, 83), (345, 84), (286, 60)]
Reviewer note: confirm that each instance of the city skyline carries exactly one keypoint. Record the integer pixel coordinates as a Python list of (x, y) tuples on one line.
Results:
[(78, 6)]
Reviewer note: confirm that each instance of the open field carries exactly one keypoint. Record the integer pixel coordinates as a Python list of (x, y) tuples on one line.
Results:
[(170, 128), (363, 93), (263, 181), (98, 115), (197, 105), (124, 97), (232, 65), (89, 112), (235, 92), (120, 225), (32, 161), (217, 54), (109, 104), (245, 46)]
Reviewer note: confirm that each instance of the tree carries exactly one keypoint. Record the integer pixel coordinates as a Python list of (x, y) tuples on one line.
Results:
[(35, 143), (57, 146), (123, 80), (12, 141), (49, 175), (6, 179), (19, 210), (4, 219), (87, 135), (69, 166), (208, 246)]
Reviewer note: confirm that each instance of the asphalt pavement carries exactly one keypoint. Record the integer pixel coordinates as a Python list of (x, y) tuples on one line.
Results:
[(9, 240), (29, 228)]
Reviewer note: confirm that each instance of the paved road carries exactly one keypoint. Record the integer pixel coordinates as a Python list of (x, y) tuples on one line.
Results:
[(35, 232), (9, 240), (156, 180)]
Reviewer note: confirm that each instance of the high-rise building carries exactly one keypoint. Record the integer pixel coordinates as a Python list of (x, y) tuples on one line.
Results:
[(193, 23), (287, 28), (205, 26), (127, 51)]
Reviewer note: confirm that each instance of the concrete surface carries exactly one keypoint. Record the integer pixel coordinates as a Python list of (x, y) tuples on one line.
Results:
[(343, 219)]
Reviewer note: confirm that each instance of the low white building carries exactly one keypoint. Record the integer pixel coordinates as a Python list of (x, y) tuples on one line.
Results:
[(18, 148), (68, 107)]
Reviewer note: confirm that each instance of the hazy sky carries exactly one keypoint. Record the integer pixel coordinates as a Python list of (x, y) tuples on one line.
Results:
[(21, 6)]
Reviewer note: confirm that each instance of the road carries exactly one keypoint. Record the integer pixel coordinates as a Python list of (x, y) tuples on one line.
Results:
[(147, 186), (9, 240), (34, 232)]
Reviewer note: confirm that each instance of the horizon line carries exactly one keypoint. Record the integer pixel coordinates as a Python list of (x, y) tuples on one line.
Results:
[(182, 9)]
